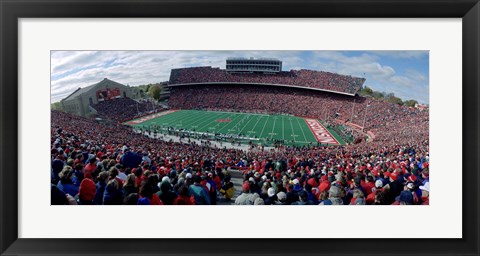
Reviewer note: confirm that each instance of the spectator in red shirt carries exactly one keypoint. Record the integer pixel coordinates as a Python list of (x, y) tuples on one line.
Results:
[(90, 167)]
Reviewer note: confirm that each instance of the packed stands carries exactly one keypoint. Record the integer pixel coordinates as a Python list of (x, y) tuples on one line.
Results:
[(95, 163), (123, 109), (391, 123), (296, 78)]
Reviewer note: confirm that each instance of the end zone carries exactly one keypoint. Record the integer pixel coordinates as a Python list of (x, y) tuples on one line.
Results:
[(321, 134)]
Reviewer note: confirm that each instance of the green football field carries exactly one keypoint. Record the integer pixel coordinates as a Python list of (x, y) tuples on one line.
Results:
[(258, 128)]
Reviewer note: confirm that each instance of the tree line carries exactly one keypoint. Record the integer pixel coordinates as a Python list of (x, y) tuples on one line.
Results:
[(388, 97)]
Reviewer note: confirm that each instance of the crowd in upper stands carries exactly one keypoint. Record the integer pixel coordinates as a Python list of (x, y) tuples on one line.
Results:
[(303, 78), (124, 109)]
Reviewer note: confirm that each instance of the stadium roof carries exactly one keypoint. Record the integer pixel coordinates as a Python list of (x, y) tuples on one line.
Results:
[(104, 82)]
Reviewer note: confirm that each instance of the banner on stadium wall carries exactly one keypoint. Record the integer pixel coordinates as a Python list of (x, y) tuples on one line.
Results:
[(108, 94)]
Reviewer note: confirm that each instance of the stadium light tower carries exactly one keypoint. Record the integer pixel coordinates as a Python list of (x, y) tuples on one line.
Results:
[(365, 117)]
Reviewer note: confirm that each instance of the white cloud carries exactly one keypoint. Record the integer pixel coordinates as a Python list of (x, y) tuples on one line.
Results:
[(402, 54)]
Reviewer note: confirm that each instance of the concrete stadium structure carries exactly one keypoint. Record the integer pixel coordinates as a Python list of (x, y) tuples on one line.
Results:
[(81, 100)]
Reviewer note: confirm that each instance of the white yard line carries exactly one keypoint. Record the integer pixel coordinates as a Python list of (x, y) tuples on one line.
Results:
[(305, 137), (240, 115), (260, 135), (253, 129), (209, 121), (196, 117), (273, 128), (293, 130), (251, 118)]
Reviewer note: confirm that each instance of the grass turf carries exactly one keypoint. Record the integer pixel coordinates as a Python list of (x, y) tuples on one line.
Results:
[(293, 130)]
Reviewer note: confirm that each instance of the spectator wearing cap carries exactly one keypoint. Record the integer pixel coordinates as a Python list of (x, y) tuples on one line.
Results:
[(411, 178), (281, 198), (188, 178), (271, 197), (227, 188), (409, 186), (245, 196), (86, 193), (324, 184), (297, 187), (310, 194), (425, 199), (393, 189), (255, 183), (405, 198), (370, 199), (198, 192), (66, 183)]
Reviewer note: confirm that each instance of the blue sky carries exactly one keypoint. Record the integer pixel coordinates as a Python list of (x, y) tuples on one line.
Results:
[(404, 73)]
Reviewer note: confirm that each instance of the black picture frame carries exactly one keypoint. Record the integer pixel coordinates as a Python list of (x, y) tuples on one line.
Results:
[(11, 11)]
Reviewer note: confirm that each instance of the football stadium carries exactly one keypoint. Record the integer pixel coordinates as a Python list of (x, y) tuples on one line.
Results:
[(249, 134)]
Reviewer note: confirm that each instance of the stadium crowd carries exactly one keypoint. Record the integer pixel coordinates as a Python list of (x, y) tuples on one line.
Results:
[(304, 78), (391, 123), (96, 163), (124, 109)]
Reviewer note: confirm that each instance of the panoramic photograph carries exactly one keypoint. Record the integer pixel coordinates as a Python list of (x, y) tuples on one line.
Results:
[(240, 128)]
